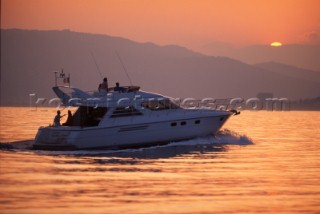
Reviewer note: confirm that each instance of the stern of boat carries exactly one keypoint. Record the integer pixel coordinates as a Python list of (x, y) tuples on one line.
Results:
[(53, 138)]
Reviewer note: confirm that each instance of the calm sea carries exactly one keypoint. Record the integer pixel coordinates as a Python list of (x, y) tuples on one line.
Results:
[(261, 162)]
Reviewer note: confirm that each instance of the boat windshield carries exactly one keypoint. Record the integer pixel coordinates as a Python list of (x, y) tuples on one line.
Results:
[(156, 105), (125, 111)]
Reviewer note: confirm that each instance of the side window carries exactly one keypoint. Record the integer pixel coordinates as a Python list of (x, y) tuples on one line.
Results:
[(125, 111)]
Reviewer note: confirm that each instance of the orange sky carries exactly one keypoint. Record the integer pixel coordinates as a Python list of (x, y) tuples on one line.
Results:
[(190, 23)]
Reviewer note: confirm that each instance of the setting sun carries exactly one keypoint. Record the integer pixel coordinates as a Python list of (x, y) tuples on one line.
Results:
[(276, 44)]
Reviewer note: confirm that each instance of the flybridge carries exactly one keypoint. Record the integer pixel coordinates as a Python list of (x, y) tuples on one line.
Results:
[(73, 96), (70, 96)]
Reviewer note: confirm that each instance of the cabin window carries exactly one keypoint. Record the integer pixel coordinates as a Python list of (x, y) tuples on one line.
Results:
[(156, 105), (125, 111), (183, 123), (88, 116), (174, 124), (197, 122)]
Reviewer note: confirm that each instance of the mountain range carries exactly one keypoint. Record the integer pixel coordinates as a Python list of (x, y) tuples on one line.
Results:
[(30, 57), (305, 56)]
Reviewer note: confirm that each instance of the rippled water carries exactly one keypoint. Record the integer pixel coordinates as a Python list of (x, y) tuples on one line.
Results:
[(262, 162)]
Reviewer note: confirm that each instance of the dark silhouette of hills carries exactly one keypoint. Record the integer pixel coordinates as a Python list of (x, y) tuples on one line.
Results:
[(291, 71), (29, 57), (298, 55)]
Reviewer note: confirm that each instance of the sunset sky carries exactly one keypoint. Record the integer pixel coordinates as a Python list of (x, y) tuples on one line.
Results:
[(189, 23)]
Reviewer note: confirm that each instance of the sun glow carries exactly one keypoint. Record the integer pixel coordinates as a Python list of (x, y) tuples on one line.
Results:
[(276, 44)]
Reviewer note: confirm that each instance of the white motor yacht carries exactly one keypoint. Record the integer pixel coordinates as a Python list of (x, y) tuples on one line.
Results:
[(124, 119)]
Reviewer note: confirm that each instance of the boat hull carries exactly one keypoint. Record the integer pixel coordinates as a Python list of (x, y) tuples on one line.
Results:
[(126, 136)]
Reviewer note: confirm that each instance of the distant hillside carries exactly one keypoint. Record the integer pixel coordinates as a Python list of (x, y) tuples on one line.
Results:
[(28, 59), (291, 71), (305, 56)]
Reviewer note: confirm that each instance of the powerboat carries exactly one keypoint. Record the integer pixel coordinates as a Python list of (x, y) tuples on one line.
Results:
[(125, 118)]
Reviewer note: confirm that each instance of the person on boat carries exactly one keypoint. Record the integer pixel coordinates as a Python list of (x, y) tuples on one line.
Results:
[(118, 88), (69, 121), (104, 85), (56, 121)]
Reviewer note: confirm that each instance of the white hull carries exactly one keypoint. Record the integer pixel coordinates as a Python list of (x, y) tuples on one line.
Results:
[(129, 135)]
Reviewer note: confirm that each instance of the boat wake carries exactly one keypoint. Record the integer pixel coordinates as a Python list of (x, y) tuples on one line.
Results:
[(217, 143)]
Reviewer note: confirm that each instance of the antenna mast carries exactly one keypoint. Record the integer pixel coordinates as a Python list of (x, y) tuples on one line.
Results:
[(124, 68), (61, 75), (95, 62)]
